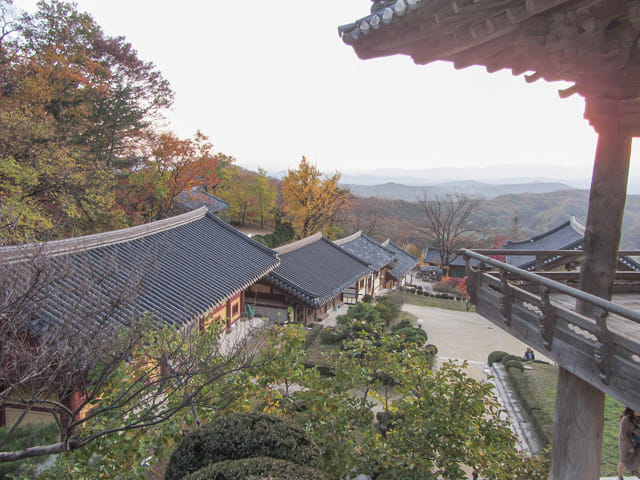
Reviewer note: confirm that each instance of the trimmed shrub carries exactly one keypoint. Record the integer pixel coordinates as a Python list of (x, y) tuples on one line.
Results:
[(236, 436), (431, 349), (404, 323), (509, 364), (496, 356), (508, 357), (413, 335), (257, 468)]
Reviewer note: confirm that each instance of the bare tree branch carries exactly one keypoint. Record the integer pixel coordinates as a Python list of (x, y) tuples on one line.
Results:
[(447, 223)]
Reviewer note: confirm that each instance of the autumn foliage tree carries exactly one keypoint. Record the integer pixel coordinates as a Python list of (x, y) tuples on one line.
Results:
[(174, 165), (311, 200), (75, 108)]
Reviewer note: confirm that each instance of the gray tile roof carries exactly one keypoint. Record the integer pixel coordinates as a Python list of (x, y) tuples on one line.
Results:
[(405, 262), (316, 270), (368, 250), (383, 13), (197, 197), (432, 255), (566, 236), (181, 268)]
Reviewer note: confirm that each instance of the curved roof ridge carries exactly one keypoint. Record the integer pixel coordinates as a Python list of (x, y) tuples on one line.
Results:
[(540, 235), (299, 243), (87, 242), (577, 225), (348, 239), (382, 13)]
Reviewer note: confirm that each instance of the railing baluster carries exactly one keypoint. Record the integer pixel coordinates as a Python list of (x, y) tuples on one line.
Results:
[(603, 349), (547, 320), (506, 302)]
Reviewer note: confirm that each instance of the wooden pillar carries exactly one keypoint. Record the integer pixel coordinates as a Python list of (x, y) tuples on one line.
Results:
[(579, 411)]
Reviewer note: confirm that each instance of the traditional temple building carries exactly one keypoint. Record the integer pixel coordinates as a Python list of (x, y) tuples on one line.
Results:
[(314, 276), (568, 235), (405, 263), (379, 258), (455, 267), (197, 197), (185, 271)]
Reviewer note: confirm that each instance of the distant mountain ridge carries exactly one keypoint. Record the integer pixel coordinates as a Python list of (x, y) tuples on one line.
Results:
[(412, 193)]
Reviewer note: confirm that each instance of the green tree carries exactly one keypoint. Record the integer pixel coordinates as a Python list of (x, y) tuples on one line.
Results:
[(311, 201), (76, 107), (265, 196)]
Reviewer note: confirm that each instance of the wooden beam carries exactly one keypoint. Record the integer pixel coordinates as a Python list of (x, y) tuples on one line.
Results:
[(579, 412)]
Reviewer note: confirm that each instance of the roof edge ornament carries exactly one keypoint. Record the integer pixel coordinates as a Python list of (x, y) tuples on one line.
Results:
[(348, 239), (54, 248), (289, 247), (577, 225)]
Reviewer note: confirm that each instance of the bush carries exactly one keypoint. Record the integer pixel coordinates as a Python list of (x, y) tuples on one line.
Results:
[(387, 309), (431, 349), (508, 357), (237, 436), (257, 468), (404, 323), (496, 356), (332, 336), (367, 298), (23, 437), (509, 364), (323, 369), (413, 335)]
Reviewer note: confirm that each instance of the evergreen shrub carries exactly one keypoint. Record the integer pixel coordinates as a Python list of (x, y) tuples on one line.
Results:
[(245, 435), (257, 468), (496, 356), (509, 364)]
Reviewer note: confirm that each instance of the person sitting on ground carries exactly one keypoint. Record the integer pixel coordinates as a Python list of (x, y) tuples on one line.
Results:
[(629, 451), (528, 354)]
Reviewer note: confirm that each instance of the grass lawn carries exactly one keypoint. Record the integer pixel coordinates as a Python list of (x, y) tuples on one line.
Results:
[(413, 299), (537, 389)]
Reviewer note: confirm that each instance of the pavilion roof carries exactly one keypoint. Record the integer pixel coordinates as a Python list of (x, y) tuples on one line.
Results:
[(432, 256), (316, 270), (181, 268), (591, 43), (568, 235), (197, 197), (363, 247), (405, 262)]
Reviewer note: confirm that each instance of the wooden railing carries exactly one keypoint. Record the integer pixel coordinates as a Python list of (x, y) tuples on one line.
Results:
[(602, 349)]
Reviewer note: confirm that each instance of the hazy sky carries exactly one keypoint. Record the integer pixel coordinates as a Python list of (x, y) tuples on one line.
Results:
[(269, 82)]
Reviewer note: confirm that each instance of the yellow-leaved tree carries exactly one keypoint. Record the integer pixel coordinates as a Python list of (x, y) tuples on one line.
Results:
[(311, 200)]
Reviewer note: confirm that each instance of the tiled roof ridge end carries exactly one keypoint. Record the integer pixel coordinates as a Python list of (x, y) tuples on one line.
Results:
[(289, 247)]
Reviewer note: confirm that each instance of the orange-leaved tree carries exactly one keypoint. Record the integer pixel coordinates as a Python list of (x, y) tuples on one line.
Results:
[(174, 165), (311, 200)]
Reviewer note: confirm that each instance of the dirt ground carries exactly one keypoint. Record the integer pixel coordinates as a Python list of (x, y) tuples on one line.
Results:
[(465, 336)]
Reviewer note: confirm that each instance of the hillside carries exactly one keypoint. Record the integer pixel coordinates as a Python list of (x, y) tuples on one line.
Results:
[(411, 193), (537, 212)]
